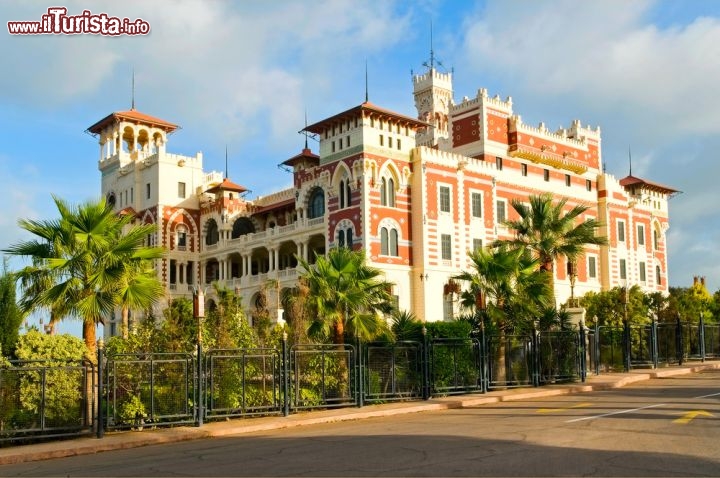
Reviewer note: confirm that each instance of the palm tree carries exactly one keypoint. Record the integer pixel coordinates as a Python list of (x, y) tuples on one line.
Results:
[(346, 293), (89, 261), (516, 291), (549, 231)]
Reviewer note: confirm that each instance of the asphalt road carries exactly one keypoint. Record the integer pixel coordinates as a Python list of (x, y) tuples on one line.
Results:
[(662, 427)]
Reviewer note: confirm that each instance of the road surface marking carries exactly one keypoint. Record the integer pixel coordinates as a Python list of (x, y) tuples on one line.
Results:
[(711, 395), (613, 413), (556, 410), (689, 416)]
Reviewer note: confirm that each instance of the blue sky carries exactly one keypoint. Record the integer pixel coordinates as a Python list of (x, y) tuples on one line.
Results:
[(242, 75)]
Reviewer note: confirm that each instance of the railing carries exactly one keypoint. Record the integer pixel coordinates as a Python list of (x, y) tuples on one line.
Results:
[(142, 390), (45, 398)]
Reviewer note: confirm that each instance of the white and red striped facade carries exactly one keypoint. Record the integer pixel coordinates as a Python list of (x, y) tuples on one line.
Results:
[(415, 194)]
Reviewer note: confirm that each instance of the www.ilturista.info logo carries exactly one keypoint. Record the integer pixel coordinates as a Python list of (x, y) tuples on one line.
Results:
[(58, 22)]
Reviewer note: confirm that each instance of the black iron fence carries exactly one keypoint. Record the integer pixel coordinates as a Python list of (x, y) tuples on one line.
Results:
[(614, 349), (137, 391), (46, 398)]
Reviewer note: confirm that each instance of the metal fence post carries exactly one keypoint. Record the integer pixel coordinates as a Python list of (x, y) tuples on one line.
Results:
[(484, 369), (583, 352), (626, 345), (360, 391), (285, 371), (425, 365), (680, 343), (654, 341), (100, 432), (701, 336), (596, 346), (535, 354)]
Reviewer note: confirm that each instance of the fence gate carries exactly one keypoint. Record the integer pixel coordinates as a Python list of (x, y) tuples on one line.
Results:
[(40, 399), (509, 361), (322, 376), (455, 366), (393, 371), (242, 382), (559, 356), (150, 389)]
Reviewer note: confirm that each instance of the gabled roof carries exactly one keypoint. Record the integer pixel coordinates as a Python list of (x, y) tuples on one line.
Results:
[(635, 181), (132, 116), (306, 155), (227, 185), (128, 211), (365, 107)]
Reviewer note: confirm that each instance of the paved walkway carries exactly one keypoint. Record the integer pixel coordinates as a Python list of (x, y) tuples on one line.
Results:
[(132, 439)]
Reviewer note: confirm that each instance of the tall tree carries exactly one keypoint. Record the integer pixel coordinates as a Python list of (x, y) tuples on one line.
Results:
[(346, 293), (11, 317), (90, 255), (515, 290), (550, 231)]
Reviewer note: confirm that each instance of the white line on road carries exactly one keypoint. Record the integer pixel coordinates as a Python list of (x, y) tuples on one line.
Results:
[(711, 395), (613, 413)]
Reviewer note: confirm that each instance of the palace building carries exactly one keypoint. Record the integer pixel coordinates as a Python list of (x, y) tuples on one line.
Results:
[(415, 193)]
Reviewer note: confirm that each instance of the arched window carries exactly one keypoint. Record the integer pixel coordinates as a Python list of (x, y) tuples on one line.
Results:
[(348, 194), (341, 238), (342, 194), (384, 241), (181, 237), (391, 192), (658, 276), (212, 235), (387, 192), (316, 204), (388, 242), (242, 226), (349, 237), (393, 246)]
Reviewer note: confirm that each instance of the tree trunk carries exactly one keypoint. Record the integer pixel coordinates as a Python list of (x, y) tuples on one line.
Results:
[(89, 331), (125, 326), (339, 332)]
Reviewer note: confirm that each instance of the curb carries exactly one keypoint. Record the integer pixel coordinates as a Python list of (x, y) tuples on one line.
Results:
[(127, 440)]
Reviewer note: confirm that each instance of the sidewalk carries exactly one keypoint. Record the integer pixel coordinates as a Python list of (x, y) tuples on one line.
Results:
[(124, 440)]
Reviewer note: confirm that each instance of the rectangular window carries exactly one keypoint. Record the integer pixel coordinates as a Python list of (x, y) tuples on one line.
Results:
[(446, 245), (333, 146), (567, 180), (476, 205), (500, 211), (621, 231), (592, 267), (642, 271), (147, 190), (523, 168), (498, 163), (132, 199), (641, 235), (181, 190), (623, 269), (658, 276), (656, 238), (588, 185), (398, 144), (546, 175), (477, 244), (347, 142), (382, 140), (444, 199)]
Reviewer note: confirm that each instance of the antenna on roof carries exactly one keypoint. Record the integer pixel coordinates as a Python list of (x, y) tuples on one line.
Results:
[(132, 106), (630, 158), (433, 61), (366, 82), (306, 145), (226, 163)]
